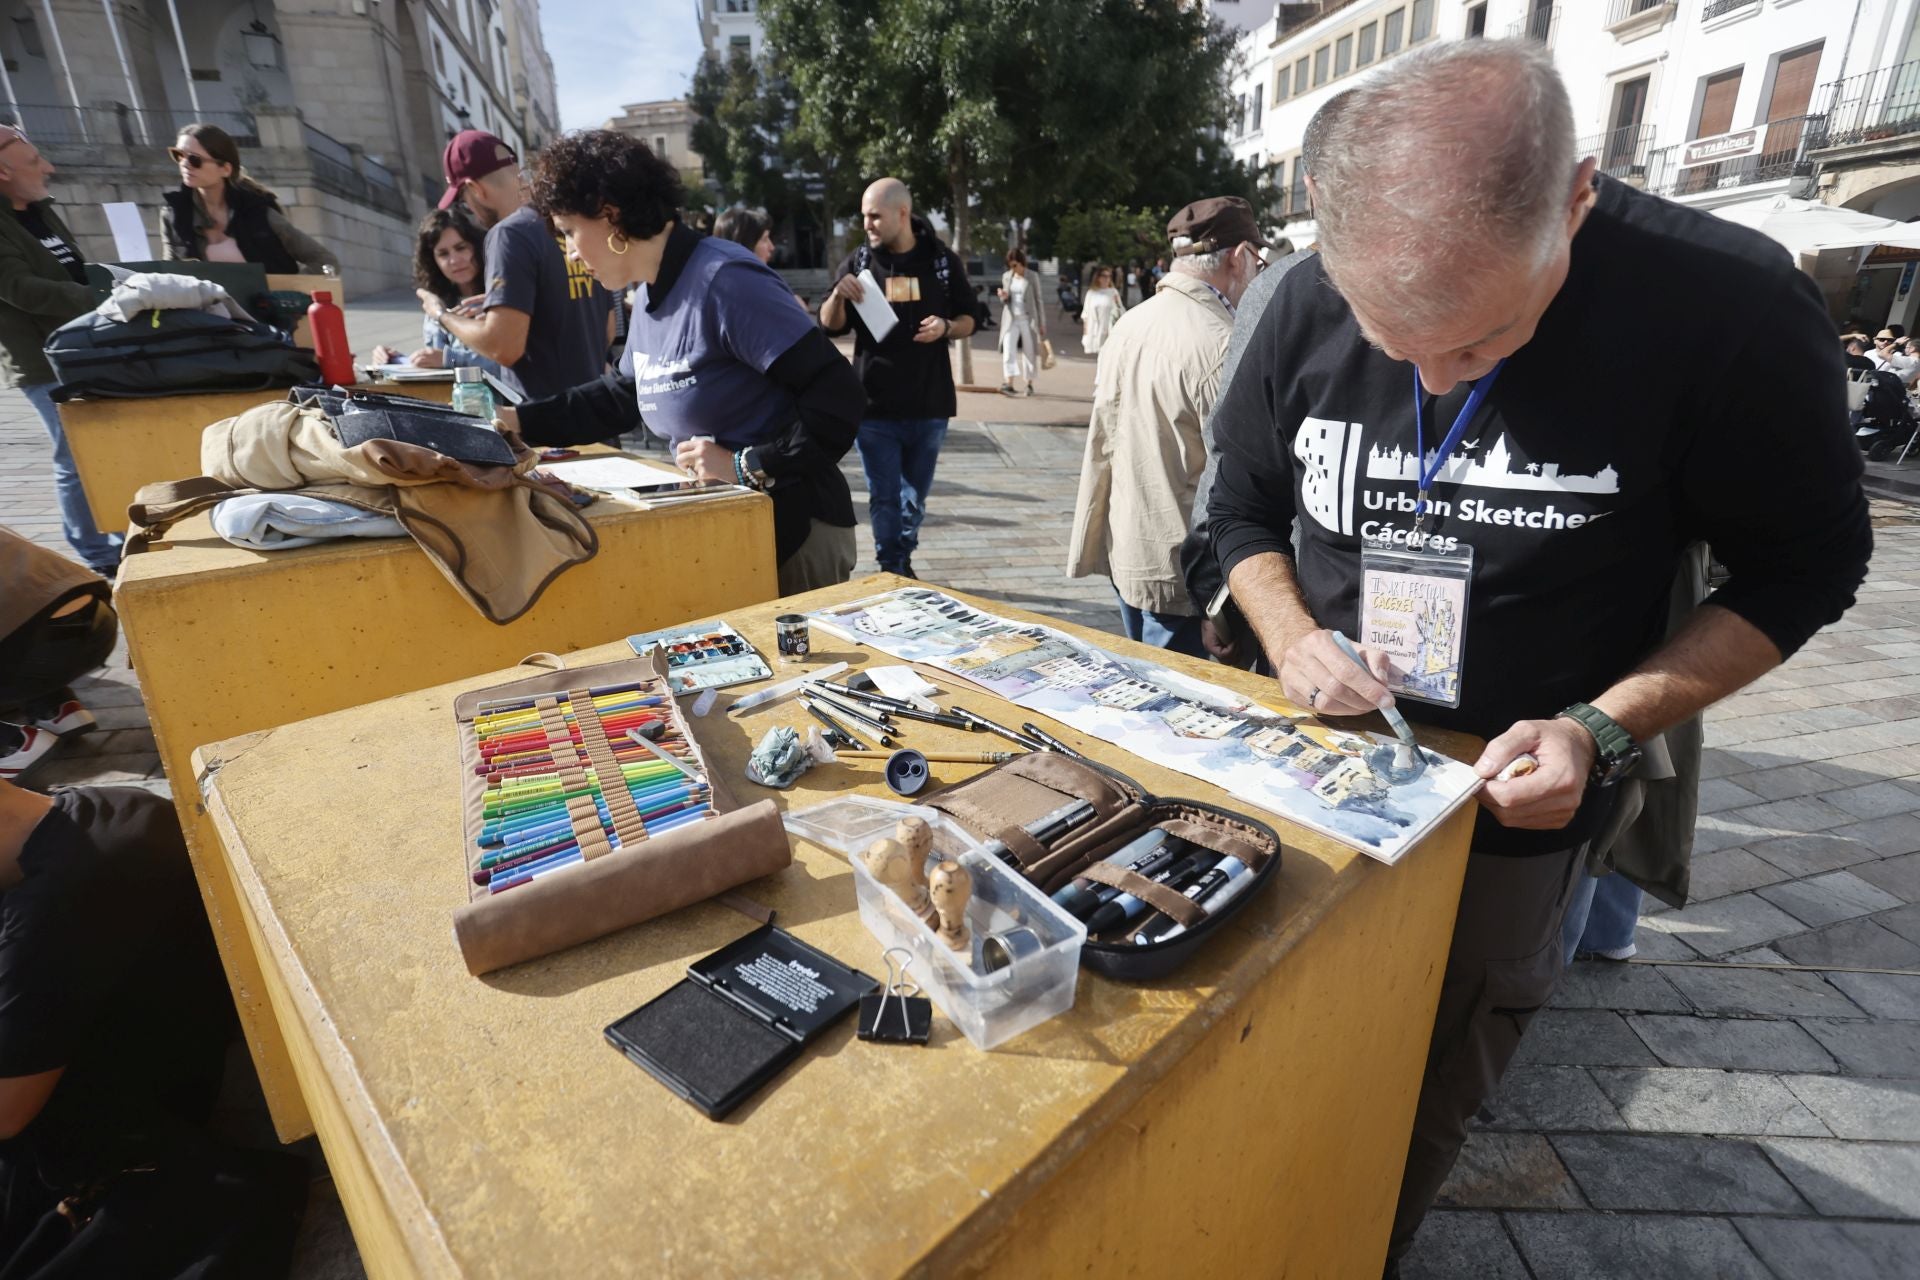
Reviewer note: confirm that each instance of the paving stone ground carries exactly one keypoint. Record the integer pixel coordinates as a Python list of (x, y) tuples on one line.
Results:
[(1741, 1100)]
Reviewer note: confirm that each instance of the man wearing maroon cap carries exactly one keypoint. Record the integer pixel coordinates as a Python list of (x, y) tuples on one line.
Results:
[(542, 318), (1158, 376)]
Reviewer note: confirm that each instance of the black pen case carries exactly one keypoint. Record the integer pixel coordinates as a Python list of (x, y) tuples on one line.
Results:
[(739, 1017), (995, 804)]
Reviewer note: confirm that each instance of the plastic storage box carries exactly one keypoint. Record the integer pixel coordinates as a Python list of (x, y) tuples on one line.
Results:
[(1023, 958)]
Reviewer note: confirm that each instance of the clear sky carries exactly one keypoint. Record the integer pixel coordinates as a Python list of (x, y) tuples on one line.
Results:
[(607, 55)]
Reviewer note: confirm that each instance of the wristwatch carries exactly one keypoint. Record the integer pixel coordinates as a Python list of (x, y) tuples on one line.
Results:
[(1616, 753)]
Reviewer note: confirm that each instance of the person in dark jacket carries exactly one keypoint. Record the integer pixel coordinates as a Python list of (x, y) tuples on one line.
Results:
[(907, 375), (718, 361), (219, 214), (42, 286)]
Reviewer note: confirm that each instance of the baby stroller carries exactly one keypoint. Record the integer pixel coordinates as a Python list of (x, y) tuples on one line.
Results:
[(1883, 418)]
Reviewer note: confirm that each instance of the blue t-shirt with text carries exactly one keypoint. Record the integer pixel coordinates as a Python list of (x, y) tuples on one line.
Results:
[(699, 361)]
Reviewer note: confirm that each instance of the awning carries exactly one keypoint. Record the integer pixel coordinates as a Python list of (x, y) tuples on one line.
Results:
[(1807, 226)]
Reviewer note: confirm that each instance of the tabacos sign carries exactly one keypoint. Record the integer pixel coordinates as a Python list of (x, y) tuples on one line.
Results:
[(1725, 146)]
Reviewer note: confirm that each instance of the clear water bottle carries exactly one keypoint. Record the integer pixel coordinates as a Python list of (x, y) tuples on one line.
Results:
[(471, 394)]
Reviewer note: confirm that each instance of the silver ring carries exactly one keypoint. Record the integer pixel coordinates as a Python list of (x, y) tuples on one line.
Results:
[(1314, 697)]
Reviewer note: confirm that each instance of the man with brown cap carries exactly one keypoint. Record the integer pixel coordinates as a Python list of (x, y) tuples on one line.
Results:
[(542, 319), (1158, 377)]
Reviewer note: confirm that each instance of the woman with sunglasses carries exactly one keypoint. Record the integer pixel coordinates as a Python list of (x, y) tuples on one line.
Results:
[(219, 214)]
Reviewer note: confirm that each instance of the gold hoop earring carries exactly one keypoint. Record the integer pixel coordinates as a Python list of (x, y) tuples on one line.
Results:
[(620, 248)]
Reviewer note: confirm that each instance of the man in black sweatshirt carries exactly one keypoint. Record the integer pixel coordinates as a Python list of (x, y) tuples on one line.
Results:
[(905, 373), (1475, 273)]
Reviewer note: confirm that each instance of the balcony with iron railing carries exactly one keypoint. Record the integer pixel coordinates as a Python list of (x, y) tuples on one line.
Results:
[(1632, 17), (1623, 152), (1538, 25), (1774, 152), (115, 125), (1873, 107), (353, 175), (1293, 206)]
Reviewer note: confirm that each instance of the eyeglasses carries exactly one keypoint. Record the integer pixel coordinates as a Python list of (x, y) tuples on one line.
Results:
[(188, 158)]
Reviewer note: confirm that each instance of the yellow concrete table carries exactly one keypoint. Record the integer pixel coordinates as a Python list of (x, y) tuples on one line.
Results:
[(119, 445), (1248, 1116), (228, 641)]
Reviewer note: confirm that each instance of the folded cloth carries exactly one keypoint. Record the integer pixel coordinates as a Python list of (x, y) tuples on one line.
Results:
[(283, 521), (164, 291)]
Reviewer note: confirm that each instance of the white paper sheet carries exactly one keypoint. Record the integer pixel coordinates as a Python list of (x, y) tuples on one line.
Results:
[(130, 242), (611, 473), (874, 308)]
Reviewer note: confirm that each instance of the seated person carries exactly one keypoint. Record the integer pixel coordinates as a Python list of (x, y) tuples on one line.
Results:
[(114, 1024), (56, 624), (449, 266)]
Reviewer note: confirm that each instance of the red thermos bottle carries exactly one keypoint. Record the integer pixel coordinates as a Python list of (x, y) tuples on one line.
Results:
[(329, 329)]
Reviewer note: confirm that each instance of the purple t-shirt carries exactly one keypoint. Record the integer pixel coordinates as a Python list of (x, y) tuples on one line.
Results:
[(699, 362)]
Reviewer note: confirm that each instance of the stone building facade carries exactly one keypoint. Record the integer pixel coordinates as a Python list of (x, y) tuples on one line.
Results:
[(341, 106)]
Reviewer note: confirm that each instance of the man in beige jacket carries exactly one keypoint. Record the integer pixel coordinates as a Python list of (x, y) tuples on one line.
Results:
[(1158, 376)]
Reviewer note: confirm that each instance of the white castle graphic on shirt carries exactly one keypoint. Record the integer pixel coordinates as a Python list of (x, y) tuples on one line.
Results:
[(1329, 454), (1495, 470)]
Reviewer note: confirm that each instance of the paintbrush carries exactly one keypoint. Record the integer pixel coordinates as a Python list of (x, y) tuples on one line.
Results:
[(1408, 763)]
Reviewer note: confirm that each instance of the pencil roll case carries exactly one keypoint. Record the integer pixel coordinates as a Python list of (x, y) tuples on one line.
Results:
[(572, 856), (999, 804)]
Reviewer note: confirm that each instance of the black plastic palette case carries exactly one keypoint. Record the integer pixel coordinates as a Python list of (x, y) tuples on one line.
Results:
[(739, 1017)]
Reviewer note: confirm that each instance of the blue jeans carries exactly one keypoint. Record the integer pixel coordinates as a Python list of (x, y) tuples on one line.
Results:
[(1603, 915), (898, 456), (1162, 630), (100, 551)]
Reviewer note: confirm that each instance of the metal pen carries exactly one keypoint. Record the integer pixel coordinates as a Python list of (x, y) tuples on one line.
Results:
[(878, 722), (837, 736)]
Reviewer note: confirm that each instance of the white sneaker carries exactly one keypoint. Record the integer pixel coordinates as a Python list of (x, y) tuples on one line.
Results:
[(70, 718), (38, 743), (1618, 953)]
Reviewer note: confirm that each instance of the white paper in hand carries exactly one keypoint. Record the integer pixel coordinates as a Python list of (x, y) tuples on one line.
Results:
[(875, 311)]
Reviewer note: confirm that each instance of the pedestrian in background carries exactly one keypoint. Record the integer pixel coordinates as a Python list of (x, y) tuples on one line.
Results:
[(449, 265), (1158, 377), (42, 286), (907, 375), (1023, 323), (1101, 308), (749, 227), (219, 214)]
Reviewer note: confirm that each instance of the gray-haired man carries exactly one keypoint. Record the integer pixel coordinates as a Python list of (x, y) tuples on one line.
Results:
[(1470, 259)]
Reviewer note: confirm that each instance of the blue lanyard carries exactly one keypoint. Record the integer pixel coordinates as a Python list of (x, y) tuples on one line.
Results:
[(1460, 424)]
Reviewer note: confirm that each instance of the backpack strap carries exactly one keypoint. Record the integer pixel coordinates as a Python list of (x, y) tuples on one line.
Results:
[(156, 508)]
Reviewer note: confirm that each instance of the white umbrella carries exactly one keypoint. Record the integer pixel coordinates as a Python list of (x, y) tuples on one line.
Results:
[(1807, 226)]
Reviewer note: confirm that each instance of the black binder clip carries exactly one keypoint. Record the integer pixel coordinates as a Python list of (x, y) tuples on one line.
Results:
[(900, 1014)]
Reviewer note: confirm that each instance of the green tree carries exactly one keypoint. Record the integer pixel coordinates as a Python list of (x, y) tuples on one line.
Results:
[(1014, 106), (1110, 234), (738, 114)]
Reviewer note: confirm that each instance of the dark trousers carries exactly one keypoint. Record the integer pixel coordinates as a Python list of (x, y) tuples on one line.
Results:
[(1501, 968), (898, 456), (38, 661)]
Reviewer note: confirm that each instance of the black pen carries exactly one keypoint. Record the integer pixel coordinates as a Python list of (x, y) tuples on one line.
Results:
[(1091, 900), (813, 705), (1127, 907), (878, 725), (893, 707), (836, 735), (984, 723), (1047, 828), (1048, 741), (1160, 923)]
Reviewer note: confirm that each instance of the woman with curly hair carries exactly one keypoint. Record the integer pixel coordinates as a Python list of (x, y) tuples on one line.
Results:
[(449, 265), (718, 360)]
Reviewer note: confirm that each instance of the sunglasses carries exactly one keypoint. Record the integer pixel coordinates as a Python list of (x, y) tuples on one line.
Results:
[(188, 158)]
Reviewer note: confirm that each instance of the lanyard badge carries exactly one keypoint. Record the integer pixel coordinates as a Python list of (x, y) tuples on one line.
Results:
[(1413, 597)]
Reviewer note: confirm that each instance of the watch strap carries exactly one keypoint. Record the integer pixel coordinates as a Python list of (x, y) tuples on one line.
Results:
[(1612, 742)]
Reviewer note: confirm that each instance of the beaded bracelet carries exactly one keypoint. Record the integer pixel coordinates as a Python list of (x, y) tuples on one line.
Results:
[(740, 469)]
